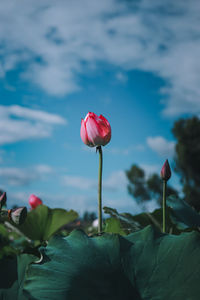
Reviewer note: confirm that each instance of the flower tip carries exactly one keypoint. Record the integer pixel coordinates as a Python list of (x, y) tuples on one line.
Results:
[(3, 199), (165, 171)]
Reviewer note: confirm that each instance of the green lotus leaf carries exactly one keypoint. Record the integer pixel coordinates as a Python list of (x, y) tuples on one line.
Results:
[(182, 214), (164, 266), (114, 225), (12, 272), (143, 265), (81, 267), (42, 222)]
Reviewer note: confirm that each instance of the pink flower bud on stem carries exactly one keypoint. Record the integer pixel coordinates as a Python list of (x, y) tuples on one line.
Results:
[(165, 175), (165, 171), (96, 132)]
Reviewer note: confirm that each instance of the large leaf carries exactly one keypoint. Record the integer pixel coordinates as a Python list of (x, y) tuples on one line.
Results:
[(8, 278), (143, 265), (42, 222), (182, 214), (79, 267), (12, 273), (164, 266)]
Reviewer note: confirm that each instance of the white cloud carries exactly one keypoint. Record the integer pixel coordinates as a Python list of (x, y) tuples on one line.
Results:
[(79, 182), (151, 205), (150, 169), (81, 203), (11, 176), (20, 123), (17, 198), (114, 182), (2, 152), (161, 146), (31, 114), (43, 169), (125, 151), (121, 77), (59, 40)]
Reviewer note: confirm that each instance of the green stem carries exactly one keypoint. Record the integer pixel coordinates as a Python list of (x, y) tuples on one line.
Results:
[(100, 190), (164, 205)]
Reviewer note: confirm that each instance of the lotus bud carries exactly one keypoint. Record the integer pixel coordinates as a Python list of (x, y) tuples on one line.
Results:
[(34, 201), (165, 171), (18, 215), (95, 130), (3, 199)]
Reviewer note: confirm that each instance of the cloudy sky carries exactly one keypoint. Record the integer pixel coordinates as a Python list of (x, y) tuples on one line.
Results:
[(135, 61)]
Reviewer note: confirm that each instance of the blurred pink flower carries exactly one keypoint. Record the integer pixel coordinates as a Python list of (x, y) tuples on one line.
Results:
[(34, 201), (95, 130)]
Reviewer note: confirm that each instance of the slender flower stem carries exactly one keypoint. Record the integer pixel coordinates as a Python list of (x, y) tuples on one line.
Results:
[(164, 205), (100, 190)]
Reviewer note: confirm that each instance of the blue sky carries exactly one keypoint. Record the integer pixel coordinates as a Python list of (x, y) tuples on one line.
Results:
[(135, 62)]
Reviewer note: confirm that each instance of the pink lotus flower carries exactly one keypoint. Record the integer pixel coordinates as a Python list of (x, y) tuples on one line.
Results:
[(34, 201), (165, 171), (95, 130)]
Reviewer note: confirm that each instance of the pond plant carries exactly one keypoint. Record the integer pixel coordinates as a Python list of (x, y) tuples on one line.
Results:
[(150, 256), (96, 132)]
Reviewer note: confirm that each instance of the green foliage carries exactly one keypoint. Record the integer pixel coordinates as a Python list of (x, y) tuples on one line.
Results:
[(187, 159), (89, 216), (163, 266), (42, 222), (8, 279), (120, 223), (12, 274), (113, 225), (182, 214), (125, 223), (83, 268), (143, 265), (179, 217), (12, 241)]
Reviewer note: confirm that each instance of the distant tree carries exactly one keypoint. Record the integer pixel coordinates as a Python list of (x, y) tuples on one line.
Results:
[(155, 187), (137, 184), (187, 158), (89, 216), (144, 188), (187, 165)]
